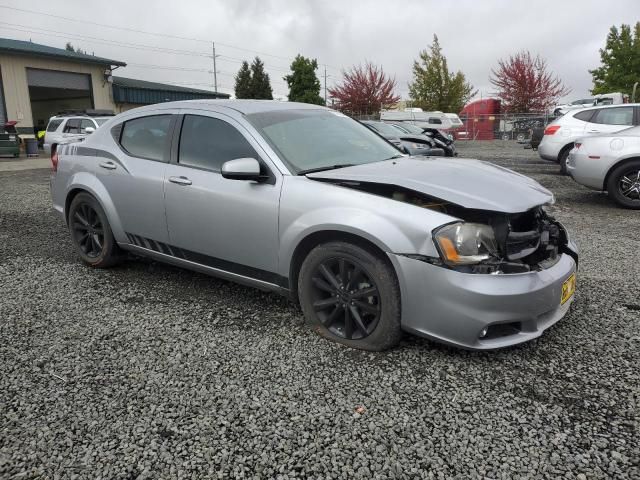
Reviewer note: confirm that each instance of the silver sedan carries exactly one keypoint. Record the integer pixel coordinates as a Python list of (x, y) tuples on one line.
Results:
[(609, 163), (304, 201)]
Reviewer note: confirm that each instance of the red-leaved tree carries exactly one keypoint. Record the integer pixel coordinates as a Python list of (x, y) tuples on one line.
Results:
[(365, 90), (525, 85)]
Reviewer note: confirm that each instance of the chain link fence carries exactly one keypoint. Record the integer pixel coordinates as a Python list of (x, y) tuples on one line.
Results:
[(504, 126)]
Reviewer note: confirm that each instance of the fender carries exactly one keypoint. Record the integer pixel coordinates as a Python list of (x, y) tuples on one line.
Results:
[(377, 229), (90, 183)]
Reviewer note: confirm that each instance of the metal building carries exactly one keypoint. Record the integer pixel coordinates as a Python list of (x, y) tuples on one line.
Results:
[(37, 81)]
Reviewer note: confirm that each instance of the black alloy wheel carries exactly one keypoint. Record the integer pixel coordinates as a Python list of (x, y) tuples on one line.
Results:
[(88, 231), (349, 294), (345, 298)]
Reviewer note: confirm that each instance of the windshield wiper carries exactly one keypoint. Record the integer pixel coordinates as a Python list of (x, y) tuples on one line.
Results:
[(328, 167), (400, 155)]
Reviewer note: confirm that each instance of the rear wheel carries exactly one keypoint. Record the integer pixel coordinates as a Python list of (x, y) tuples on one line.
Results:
[(350, 296), (562, 159), (623, 185), (90, 232)]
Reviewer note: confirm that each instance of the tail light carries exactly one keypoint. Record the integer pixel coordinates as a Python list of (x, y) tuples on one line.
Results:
[(54, 158), (551, 129)]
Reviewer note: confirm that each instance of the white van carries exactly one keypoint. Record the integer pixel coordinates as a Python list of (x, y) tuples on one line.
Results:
[(416, 116)]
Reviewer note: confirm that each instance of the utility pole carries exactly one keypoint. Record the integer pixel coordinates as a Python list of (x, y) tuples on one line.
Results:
[(325, 85), (215, 73)]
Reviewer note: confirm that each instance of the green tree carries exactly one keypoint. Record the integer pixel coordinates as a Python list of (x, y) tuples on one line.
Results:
[(434, 87), (620, 59), (260, 83), (304, 85), (243, 82), (69, 47)]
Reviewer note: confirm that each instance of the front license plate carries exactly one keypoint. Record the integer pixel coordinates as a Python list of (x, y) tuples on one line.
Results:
[(568, 288)]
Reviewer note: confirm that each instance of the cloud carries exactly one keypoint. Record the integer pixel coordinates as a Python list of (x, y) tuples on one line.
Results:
[(339, 33)]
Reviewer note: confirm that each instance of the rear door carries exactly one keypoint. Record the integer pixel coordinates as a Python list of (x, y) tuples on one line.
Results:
[(227, 224), (134, 175), (610, 120)]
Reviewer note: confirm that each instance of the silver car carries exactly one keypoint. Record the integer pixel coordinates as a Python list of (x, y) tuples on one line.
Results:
[(609, 163), (304, 201)]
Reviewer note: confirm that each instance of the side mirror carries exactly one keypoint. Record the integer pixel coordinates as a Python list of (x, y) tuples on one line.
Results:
[(89, 130), (241, 169)]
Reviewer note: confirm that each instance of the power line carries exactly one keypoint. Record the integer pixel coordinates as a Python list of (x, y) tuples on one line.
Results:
[(85, 38), (135, 30)]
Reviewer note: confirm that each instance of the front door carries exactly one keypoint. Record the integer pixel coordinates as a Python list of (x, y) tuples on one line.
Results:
[(231, 225)]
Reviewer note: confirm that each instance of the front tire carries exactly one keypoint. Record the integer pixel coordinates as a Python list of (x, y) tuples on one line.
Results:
[(623, 185), (351, 296), (91, 234)]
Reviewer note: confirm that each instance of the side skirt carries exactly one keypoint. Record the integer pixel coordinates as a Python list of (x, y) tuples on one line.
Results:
[(207, 270)]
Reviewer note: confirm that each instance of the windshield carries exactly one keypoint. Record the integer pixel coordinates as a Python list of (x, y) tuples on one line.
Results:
[(310, 139), (385, 128), (100, 121), (410, 128)]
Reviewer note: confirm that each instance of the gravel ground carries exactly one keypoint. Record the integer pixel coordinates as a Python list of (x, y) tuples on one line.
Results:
[(148, 371)]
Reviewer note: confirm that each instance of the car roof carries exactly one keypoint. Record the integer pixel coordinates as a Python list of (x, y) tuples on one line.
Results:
[(600, 107), (242, 106)]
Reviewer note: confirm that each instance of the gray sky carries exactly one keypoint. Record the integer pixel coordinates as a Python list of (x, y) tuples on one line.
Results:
[(340, 33)]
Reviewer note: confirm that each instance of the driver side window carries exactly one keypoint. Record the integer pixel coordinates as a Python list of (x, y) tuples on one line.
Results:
[(207, 143)]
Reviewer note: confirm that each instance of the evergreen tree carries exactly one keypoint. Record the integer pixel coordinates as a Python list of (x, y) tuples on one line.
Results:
[(620, 60), (304, 85), (434, 87), (243, 82), (260, 86)]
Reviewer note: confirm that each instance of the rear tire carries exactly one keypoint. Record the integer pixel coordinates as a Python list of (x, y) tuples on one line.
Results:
[(562, 159), (351, 296), (91, 234), (623, 185)]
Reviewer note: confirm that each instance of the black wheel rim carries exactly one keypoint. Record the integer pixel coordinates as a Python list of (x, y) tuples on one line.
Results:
[(345, 298), (629, 185), (88, 231)]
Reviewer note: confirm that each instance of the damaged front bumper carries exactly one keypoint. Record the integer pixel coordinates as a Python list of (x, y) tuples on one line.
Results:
[(458, 308)]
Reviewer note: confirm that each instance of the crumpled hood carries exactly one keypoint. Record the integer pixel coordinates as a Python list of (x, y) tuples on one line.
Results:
[(468, 183)]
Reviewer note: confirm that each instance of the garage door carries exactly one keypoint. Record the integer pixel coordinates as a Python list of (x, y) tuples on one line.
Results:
[(56, 79)]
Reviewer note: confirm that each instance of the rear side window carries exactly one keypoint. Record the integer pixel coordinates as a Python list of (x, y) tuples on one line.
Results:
[(207, 143), (614, 116), (53, 125), (146, 137), (72, 126), (584, 116)]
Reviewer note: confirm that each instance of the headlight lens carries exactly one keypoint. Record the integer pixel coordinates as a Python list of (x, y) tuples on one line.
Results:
[(466, 243)]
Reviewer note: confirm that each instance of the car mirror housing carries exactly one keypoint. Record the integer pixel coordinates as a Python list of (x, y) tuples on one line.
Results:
[(242, 169), (89, 130)]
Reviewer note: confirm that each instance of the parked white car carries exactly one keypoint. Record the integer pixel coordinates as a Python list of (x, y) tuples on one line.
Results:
[(609, 163), (62, 128), (560, 135)]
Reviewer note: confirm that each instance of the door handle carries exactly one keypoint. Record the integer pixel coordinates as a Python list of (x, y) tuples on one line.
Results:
[(108, 165), (594, 131), (180, 180)]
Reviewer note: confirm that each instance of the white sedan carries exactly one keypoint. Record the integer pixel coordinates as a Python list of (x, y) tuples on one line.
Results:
[(609, 163)]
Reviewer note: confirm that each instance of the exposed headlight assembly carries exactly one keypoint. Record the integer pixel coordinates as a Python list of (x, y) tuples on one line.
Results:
[(466, 243)]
